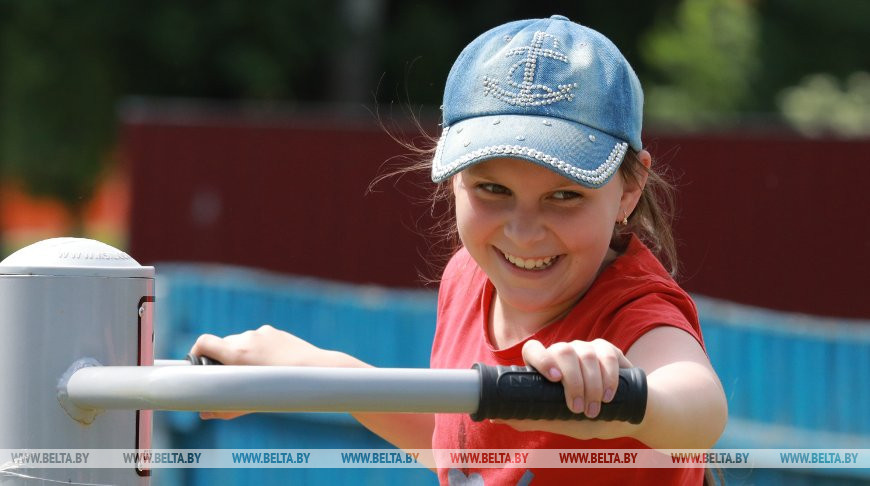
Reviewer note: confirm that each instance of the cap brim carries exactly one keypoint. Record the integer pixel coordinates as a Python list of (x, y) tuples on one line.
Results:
[(580, 153)]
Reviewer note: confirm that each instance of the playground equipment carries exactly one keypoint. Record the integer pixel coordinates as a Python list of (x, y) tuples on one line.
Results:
[(78, 370)]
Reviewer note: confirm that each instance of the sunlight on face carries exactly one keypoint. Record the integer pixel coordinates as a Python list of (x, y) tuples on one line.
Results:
[(541, 238)]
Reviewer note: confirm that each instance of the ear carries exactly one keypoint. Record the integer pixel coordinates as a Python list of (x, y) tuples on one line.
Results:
[(633, 189)]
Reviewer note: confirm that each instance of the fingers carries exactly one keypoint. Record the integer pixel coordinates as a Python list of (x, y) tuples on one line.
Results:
[(608, 364), (232, 349), (593, 382), (263, 346), (213, 347), (537, 356), (589, 371)]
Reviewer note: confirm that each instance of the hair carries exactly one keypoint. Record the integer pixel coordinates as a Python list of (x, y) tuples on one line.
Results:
[(651, 219), (442, 234)]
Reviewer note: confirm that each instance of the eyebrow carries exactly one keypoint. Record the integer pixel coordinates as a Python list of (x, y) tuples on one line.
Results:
[(562, 184)]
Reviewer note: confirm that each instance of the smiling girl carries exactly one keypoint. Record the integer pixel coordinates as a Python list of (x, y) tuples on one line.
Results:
[(554, 205)]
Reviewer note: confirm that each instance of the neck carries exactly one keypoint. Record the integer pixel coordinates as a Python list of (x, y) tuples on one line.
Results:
[(509, 325)]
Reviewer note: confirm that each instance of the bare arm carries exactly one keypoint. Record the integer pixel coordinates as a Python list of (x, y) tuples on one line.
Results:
[(403, 430), (270, 346), (686, 407)]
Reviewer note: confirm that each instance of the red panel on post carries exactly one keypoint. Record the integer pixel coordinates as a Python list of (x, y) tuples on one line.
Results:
[(144, 418)]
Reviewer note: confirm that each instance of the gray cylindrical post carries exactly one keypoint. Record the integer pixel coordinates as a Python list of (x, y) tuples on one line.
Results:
[(62, 300)]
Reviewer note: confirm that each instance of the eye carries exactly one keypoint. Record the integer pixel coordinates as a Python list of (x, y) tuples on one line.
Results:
[(494, 188), (566, 195)]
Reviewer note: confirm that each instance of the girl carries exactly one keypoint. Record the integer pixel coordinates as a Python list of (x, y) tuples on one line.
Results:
[(553, 192)]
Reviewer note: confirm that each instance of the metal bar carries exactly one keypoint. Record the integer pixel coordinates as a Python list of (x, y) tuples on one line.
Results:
[(274, 389), (171, 362)]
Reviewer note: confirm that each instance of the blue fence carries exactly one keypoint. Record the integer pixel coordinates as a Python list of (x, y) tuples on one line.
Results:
[(807, 374), (792, 381), (387, 328)]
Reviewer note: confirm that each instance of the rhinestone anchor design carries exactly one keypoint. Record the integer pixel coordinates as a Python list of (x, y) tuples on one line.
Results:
[(529, 93)]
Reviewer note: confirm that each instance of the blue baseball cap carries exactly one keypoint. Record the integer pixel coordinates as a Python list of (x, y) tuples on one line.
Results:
[(549, 91)]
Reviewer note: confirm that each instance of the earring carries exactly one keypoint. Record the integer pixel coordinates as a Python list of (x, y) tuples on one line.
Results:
[(624, 221)]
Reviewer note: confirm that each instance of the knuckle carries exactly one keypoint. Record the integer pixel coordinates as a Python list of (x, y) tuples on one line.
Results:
[(241, 353), (555, 347), (610, 360), (603, 347), (586, 354), (577, 344), (563, 350), (530, 349), (583, 348), (202, 339)]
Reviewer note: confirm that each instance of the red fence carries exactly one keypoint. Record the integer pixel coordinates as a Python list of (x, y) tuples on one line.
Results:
[(778, 222)]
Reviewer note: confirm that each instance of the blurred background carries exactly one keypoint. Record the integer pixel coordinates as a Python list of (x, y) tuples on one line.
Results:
[(233, 146)]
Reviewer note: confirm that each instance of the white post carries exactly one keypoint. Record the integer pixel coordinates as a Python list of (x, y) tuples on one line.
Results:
[(62, 300)]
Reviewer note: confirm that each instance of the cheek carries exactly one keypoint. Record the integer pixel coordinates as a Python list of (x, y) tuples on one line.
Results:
[(467, 223), (591, 232), (478, 228)]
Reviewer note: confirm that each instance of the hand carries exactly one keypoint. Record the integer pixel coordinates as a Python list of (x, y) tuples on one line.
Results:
[(265, 346), (589, 371)]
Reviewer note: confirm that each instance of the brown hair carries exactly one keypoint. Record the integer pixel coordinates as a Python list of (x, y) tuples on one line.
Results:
[(653, 216), (651, 219)]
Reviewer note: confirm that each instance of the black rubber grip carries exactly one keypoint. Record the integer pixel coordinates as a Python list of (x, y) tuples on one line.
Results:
[(201, 360), (520, 392)]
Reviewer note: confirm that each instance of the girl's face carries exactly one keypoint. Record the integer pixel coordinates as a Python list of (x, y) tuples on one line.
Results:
[(541, 238)]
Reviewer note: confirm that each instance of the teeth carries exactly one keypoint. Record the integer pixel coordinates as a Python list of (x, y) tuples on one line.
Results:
[(530, 263)]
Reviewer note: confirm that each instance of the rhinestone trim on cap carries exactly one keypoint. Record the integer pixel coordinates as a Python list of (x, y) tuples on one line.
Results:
[(594, 177), (439, 149)]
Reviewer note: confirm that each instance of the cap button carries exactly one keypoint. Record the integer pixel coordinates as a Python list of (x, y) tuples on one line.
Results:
[(559, 17)]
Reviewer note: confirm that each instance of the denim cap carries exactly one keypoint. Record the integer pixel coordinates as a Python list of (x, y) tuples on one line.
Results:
[(549, 91)]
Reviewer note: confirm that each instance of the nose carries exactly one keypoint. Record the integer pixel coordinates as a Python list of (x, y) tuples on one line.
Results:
[(525, 228)]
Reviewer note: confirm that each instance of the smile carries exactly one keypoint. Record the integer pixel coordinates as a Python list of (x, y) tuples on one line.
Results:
[(530, 263)]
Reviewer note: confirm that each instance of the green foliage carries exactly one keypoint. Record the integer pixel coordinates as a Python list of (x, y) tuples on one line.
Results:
[(800, 38), (822, 105), (227, 49), (65, 64), (705, 60), (56, 98)]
